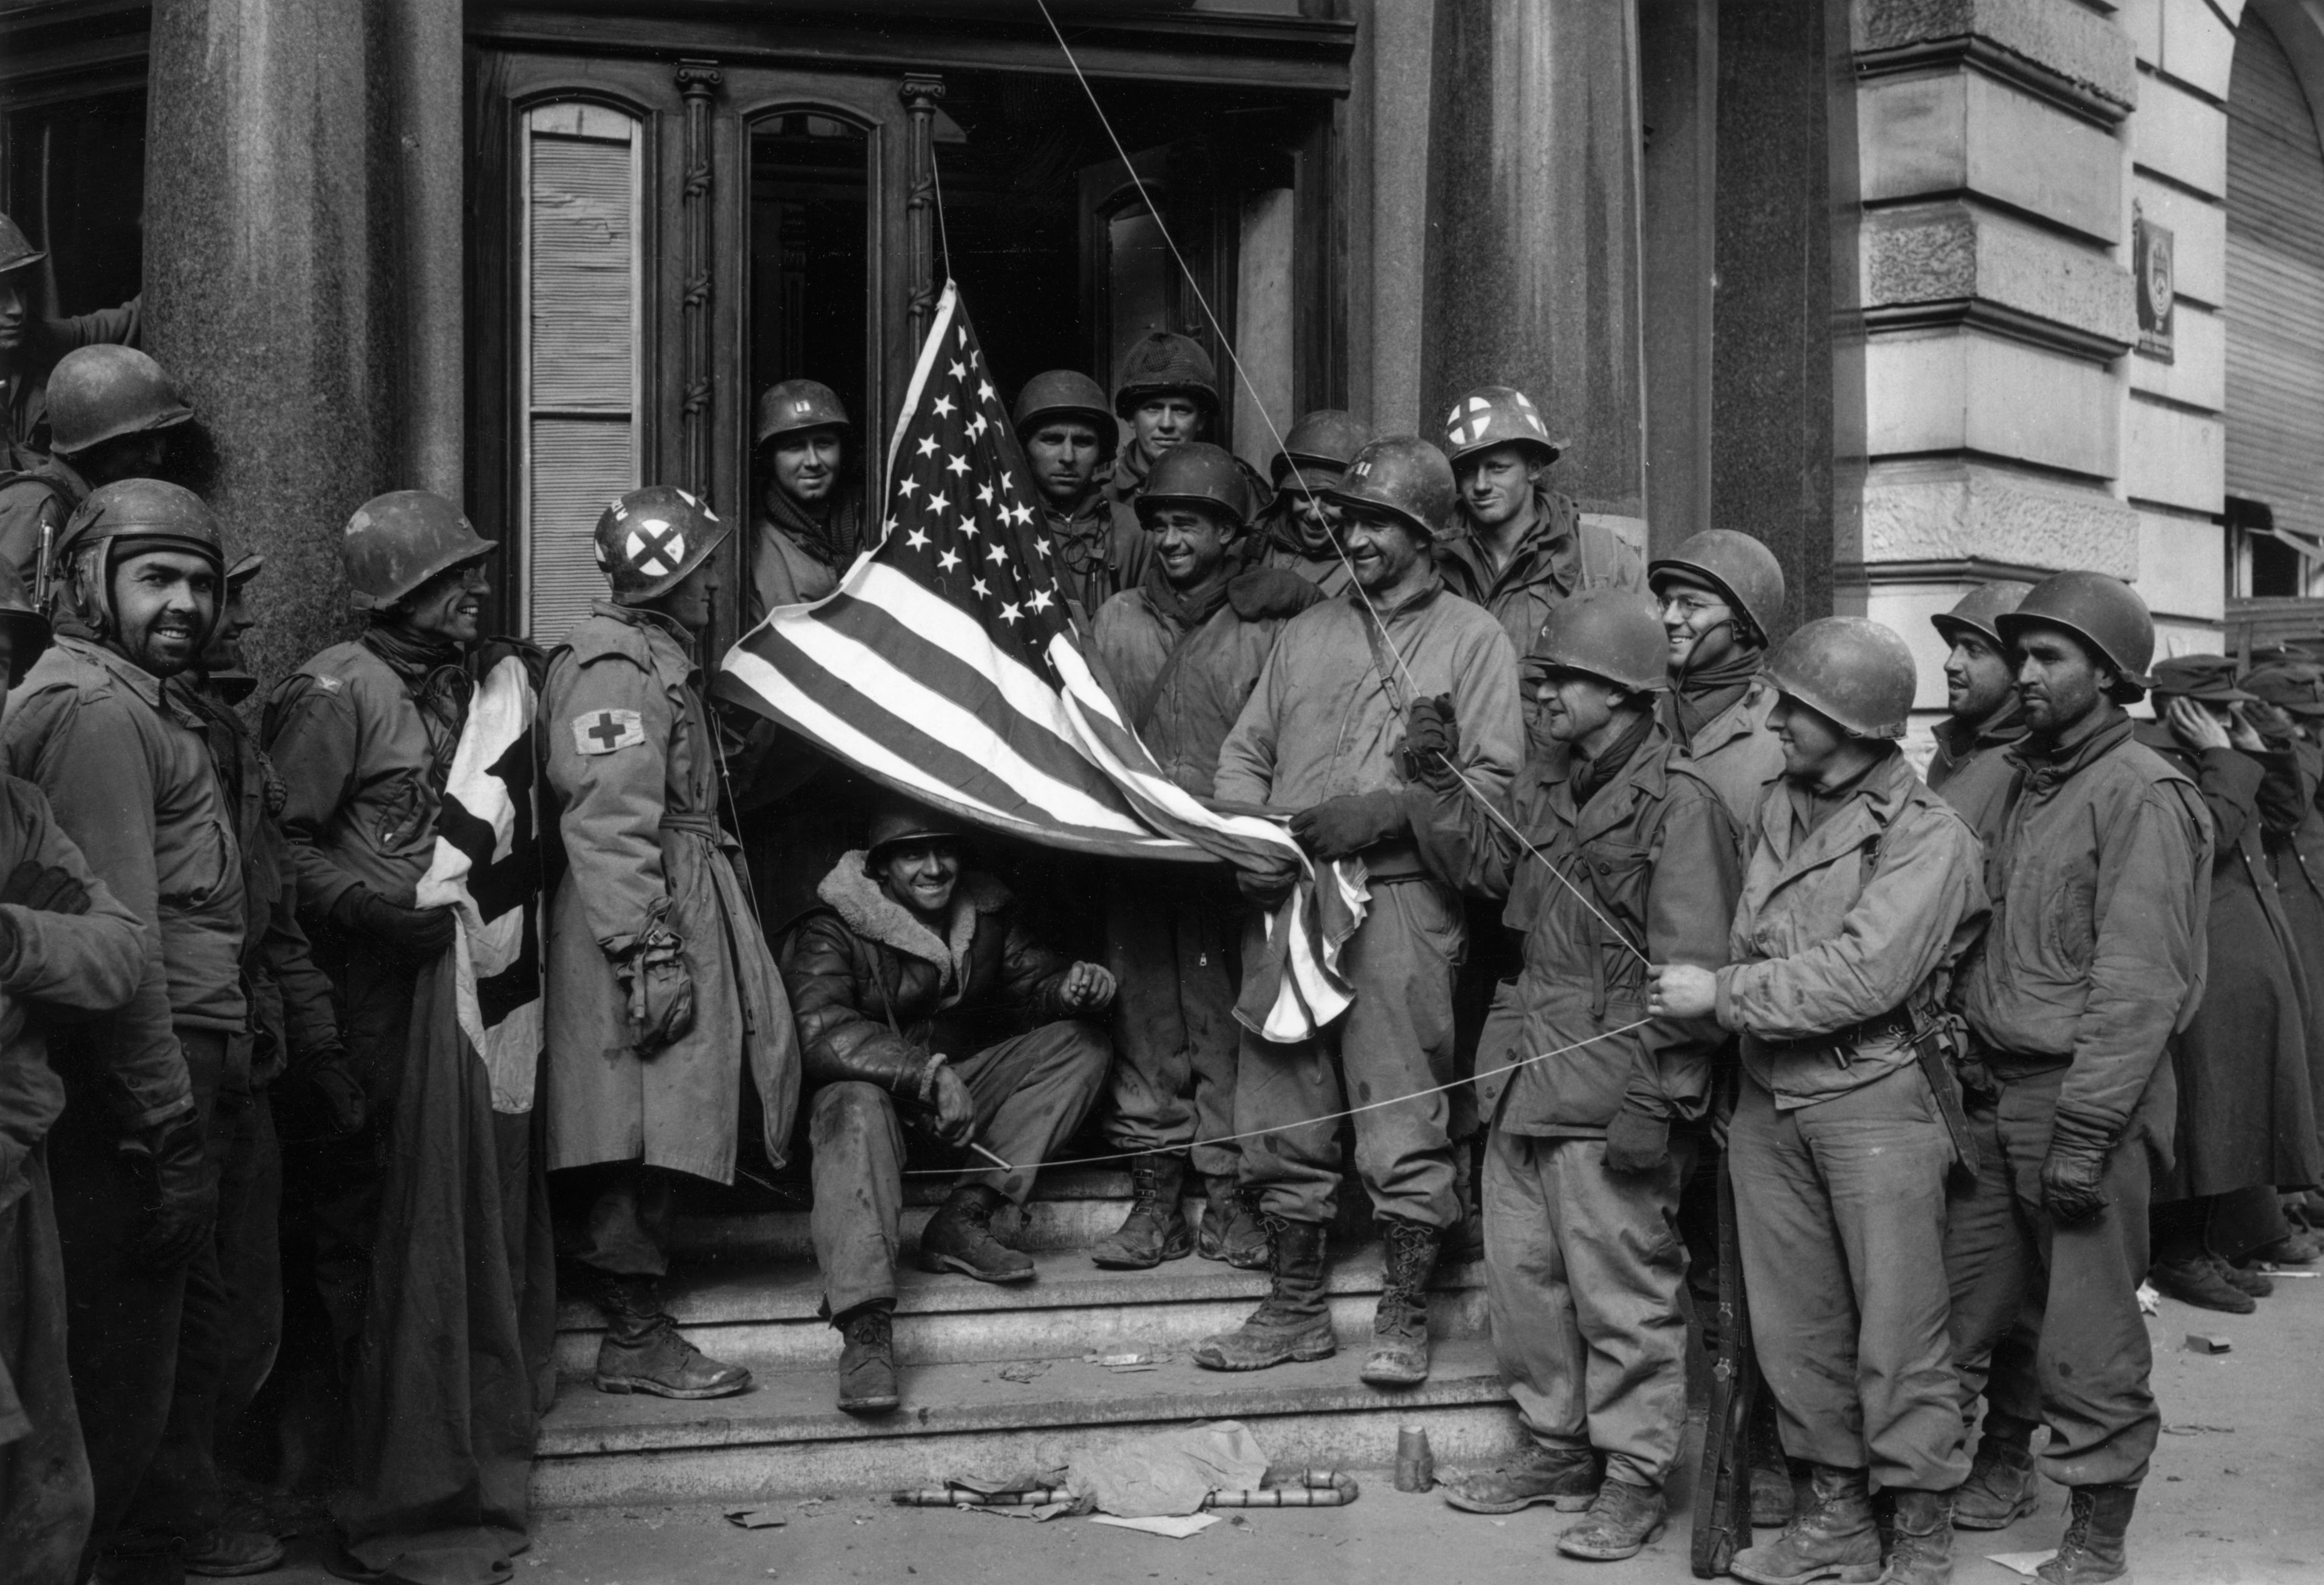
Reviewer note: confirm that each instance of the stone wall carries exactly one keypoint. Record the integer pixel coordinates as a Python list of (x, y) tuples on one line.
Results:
[(2004, 148)]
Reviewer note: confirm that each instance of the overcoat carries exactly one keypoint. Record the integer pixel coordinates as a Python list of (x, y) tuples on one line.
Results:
[(2245, 1117), (632, 760)]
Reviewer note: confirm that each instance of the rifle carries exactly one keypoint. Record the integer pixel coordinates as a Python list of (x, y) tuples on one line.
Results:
[(1722, 1487)]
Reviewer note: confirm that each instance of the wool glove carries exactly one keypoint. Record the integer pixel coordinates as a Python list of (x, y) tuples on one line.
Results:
[(179, 1192), (1339, 827), (423, 935), (45, 889), (2072, 1172), (1637, 1141), (1431, 737)]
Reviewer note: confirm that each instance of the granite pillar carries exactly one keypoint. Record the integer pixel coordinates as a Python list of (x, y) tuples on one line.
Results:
[(1787, 438), (1533, 274), (303, 272)]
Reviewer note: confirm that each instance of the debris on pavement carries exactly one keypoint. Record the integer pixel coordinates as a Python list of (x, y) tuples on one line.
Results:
[(1171, 1472), (1176, 1528), (2024, 1562), (2148, 1299), (2208, 1342), (2194, 1430), (756, 1519), (1024, 1370)]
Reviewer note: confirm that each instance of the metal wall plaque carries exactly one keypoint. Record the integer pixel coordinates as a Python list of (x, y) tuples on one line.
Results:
[(2151, 261)]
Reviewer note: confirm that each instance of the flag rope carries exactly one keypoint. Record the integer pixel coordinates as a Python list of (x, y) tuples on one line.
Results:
[(1329, 1117), (1258, 405)]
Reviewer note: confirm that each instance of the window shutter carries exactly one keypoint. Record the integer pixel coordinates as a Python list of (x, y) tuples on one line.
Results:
[(580, 359), (2275, 286)]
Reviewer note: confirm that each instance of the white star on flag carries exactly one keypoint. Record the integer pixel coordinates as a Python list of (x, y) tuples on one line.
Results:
[(944, 406), (918, 538), (1011, 615), (927, 446)]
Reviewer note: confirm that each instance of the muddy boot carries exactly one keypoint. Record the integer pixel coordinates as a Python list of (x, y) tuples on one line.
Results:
[(959, 1237), (2247, 1279), (1293, 1322), (1920, 1546), (1155, 1229), (867, 1363), (1399, 1356), (1232, 1230), (2001, 1489), (2092, 1551), (642, 1351), (2295, 1248), (1833, 1537), (1774, 1496), (226, 1555), (2197, 1281), (1622, 1518), (1564, 1478)]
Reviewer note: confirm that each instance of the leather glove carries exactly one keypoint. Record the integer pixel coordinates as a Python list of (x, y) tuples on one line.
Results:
[(339, 1098), (661, 989), (1266, 888), (2072, 1172), (419, 934), (1338, 827), (45, 889), (178, 1191), (1432, 737), (1637, 1141)]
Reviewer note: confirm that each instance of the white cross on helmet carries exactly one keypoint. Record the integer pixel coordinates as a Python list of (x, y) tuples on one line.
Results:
[(655, 547)]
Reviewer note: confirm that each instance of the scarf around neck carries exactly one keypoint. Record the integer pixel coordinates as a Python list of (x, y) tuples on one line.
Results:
[(1593, 776), (834, 540), (435, 675), (1700, 696)]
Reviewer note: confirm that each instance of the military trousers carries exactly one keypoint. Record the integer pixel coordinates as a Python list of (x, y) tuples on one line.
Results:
[(132, 1330), (1582, 1273), (1396, 1041), (45, 1496), (1031, 1094), (2092, 1360), (1840, 1212), (2004, 1375), (1176, 956)]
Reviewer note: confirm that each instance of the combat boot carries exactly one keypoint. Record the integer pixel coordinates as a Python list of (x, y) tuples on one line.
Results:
[(1293, 1322), (959, 1237), (2001, 1489), (1155, 1229), (1399, 1356), (643, 1353), (1566, 1478), (1622, 1518), (1833, 1537), (2092, 1551), (1232, 1230), (2247, 1280), (1921, 1549), (867, 1361)]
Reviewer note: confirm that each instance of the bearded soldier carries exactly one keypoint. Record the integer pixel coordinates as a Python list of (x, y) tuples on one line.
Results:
[(661, 993)]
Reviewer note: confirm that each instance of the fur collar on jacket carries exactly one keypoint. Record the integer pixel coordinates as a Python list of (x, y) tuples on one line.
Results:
[(874, 916)]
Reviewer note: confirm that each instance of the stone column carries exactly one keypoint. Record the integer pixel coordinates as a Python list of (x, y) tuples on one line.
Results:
[(302, 275), (1533, 247)]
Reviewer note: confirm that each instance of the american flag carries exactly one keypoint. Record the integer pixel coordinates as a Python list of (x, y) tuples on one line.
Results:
[(946, 666), (929, 669)]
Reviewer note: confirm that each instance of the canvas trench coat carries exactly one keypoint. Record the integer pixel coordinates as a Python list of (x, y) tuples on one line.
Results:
[(631, 758)]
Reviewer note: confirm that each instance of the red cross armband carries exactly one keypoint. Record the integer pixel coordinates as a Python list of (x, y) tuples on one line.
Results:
[(601, 731)]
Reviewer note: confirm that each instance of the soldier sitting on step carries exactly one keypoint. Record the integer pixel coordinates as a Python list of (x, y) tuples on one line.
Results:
[(922, 999)]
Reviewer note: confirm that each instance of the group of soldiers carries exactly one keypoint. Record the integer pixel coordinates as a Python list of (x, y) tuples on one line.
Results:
[(1649, 905)]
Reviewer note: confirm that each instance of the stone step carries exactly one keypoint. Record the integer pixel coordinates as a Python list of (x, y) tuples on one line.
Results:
[(785, 1438), (764, 1313)]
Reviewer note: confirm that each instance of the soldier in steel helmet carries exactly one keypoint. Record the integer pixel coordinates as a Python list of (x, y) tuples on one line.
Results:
[(1983, 714), (31, 345), (1322, 740), (1588, 1149), (1069, 435), (813, 524), (1295, 532), (1167, 392), (71, 951), (2100, 858), (156, 1093), (1522, 546), (661, 995), (113, 413), (923, 998), (1181, 654), (1721, 592), (362, 738), (1861, 893), (2247, 1120)]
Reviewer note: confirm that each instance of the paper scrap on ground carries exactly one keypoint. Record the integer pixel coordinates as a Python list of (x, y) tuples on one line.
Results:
[(1176, 1529), (1041, 1514), (2025, 1562), (1024, 1370), (2194, 1430), (756, 1519), (1171, 1472), (2148, 1299)]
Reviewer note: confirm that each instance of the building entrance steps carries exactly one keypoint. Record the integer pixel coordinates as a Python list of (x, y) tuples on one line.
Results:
[(745, 1289)]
